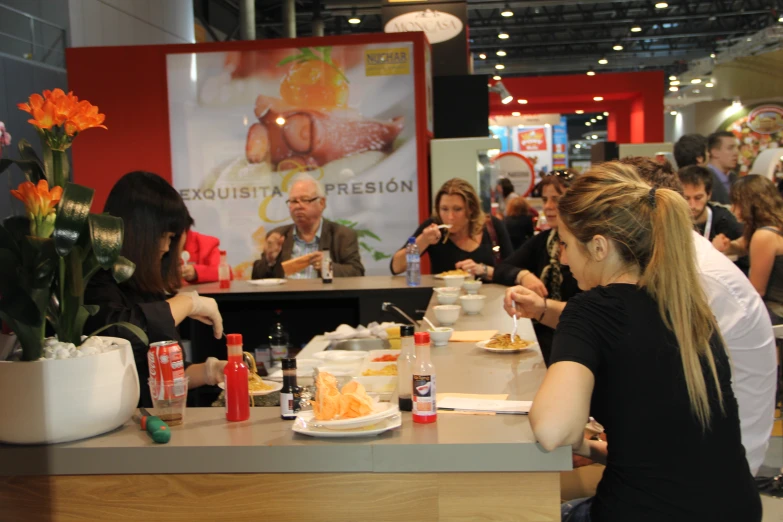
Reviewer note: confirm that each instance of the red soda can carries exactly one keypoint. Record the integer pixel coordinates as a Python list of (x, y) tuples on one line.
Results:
[(166, 367)]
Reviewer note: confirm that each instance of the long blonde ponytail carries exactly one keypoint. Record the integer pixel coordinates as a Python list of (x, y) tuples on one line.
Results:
[(652, 230)]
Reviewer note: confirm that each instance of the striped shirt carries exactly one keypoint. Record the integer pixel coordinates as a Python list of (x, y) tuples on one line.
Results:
[(302, 248)]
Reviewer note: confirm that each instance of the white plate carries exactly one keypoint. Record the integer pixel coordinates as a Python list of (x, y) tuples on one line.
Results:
[(266, 282), (483, 346), (382, 410), (340, 356), (466, 276), (276, 386), (302, 427)]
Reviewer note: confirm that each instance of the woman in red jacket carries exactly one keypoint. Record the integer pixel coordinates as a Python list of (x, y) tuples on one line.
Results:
[(204, 251)]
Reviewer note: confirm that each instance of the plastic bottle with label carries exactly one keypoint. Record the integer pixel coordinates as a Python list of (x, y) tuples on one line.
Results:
[(326, 266), (224, 271), (236, 381), (423, 381), (405, 363), (413, 261), (278, 341)]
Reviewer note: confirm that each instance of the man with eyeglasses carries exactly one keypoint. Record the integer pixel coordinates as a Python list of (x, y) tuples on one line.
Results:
[(308, 236)]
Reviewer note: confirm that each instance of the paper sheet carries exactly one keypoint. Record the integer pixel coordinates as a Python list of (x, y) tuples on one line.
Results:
[(495, 397), (472, 336), (485, 405)]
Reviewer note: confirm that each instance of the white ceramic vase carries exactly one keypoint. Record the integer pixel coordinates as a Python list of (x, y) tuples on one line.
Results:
[(44, 402)]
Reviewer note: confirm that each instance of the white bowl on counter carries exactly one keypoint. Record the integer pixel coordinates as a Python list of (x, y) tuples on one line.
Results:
[(472, 303), (447, 299), (454, 280), (453, 290), (446, 314), (472, 287), (440, 336), (340, 357)]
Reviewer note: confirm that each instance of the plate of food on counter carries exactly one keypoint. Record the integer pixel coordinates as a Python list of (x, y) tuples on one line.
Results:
[(346, 412), (502, 343), (255, 384), (456, 273)]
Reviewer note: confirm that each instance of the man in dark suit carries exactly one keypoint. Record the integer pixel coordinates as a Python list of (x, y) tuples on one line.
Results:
[(723, 148), (307, 237)]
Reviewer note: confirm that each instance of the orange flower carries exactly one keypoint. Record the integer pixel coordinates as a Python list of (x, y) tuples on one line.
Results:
[(57, 109), (38, 200)]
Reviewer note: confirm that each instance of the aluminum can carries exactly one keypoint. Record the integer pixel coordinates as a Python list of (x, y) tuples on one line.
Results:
[(166, 367)]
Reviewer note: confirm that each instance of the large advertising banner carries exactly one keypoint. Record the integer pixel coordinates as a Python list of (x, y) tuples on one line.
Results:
[(244, 124), (560, 145), (758, 128), (534, 144)]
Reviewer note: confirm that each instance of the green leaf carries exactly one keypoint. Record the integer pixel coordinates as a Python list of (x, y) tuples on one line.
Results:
[(90, 267), (30, 337), (33, 169), (380, 255), (72, 215), (365, 246), (367, 233), (287, 60), (84, 313), (106, 232), (48, 160), (123, 269), (327, 52), (135, 330), (73, 263), (40, 260), (91, 309)]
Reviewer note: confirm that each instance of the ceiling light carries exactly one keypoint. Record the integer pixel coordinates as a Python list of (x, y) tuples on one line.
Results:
[(280, 121), (674, 82), (483, 56), (672, 78), (505, 96), (588, 123), (354, 19), (579, 111), (499, 66), (603, 60), (673, 113), (598, 98), (590, 72), (709, 84), (661, 5), (674, 88), (599, 117), (749, 39), (636, 29), (593, 120), (496, 78), (507, 12), (577, 146), (503, 36), (516, 113), (696, 80), (522, 101), (507, 99), (595, 137), (606, 114), (501, 53), (713, 55), (617, 47), (697, 91)]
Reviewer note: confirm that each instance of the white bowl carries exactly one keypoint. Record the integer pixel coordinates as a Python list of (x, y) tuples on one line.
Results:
[(446, 314), (472, 304), (454, 280), (440, 336), (471, 287), (453, 290), (339, 357), (447, 299)]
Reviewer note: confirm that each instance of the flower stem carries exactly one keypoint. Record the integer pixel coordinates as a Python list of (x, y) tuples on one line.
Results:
[(60, 168)]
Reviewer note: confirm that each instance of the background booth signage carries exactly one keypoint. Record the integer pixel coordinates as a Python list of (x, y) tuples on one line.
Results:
[(437, 25), (518, 169)]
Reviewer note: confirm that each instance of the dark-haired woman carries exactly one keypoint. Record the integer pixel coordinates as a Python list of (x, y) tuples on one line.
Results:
[(155, 218), (505, 194)]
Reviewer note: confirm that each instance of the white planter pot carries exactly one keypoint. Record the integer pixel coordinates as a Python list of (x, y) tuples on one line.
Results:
[(43, 402)]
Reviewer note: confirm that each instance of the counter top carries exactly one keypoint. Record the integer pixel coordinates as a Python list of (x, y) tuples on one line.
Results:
[(338, 284), (206, 443)]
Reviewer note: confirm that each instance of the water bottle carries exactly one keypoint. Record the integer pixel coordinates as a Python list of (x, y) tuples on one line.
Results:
[(278, 342), (413, 271)]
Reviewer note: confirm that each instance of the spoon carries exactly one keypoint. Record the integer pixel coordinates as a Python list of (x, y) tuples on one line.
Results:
[(514, 332), (445, 226), (429, 323)]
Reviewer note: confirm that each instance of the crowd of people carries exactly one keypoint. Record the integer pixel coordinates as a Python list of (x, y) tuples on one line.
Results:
[(638, 309)]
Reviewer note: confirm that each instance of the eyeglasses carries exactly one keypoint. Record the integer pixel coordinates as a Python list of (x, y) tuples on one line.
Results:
[(304, 201), (564, 175)]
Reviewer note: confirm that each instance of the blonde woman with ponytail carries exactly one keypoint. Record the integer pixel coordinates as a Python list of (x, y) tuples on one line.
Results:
[(639, 349)]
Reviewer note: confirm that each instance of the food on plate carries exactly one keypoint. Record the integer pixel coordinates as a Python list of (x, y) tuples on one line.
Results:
[(254, 382), (389, 357), (333, 404), (296, 264), (314, 80), (389, 369), (293, 137), (455, 273), (504, 342)]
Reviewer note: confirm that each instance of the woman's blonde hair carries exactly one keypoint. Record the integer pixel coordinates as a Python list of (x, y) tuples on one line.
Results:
[(652, 230), (460, 187), (759, 202)]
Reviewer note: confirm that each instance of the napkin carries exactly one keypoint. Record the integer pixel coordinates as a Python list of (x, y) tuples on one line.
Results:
[(443, 396), (373, 329), (472, 336), (486, 405)]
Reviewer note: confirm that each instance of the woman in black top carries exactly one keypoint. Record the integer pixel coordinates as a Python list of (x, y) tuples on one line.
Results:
[(518, 222), (474, 243), (641, 346), (155, 217), (536, 265)]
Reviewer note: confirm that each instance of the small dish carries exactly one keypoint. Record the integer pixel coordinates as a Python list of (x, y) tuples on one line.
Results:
[(454, 280), (472, 303), (447, 299), (472, 287), (452, 290), (446, 314), (483, 346), (440, 336)]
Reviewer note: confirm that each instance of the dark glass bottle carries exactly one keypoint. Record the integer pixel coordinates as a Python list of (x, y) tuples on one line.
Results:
[(290, 393)]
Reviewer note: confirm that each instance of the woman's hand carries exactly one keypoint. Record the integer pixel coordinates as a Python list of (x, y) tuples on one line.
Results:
[(470, 266), (528, 303), (529, 280), (274, 244), (205, 309), (430, 235), (188, 273), (721, 242)]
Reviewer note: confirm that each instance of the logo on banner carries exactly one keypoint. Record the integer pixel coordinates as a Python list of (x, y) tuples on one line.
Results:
[(518, 169), (767, 119), (387, 62), (532, 140), (437, 25)]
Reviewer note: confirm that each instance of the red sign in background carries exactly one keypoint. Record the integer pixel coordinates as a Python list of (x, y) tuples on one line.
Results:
[(532, 139)]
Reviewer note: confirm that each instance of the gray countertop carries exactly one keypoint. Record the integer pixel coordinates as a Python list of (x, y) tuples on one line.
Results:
[(206, 443), (339, 284)]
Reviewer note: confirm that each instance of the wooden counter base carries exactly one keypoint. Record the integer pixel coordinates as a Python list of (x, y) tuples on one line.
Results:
[(322, 497)]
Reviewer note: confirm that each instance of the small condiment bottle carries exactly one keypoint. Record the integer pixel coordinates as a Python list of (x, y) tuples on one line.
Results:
[(423, 381), (236, 381), (224, 271), (290, 393)]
